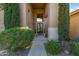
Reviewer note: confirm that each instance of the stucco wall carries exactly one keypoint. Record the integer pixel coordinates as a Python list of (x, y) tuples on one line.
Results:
[(45, 17), (30, 18), (23, 11), (53, 14), (53, 21), (1, 20), (74, 25), (26, 15)]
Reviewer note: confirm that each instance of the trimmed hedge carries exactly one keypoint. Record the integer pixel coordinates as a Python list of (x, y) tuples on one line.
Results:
[(63, 21), (74, 47), (15, 39), (11, 15), (52, 47)]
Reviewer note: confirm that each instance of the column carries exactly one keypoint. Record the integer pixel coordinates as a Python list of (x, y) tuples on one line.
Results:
[(23, 14), (53, 21)]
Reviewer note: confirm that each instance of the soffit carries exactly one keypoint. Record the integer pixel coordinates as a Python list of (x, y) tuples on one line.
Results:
[(38, 5), (38, 8)]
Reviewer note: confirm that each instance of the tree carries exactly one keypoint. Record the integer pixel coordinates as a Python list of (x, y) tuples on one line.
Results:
[(63, 21), (11, 15)]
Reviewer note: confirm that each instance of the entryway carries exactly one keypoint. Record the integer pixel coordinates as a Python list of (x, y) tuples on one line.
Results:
[(40, 29)]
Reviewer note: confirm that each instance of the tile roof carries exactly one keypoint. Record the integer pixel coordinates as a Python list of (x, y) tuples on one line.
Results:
[(74, 12)]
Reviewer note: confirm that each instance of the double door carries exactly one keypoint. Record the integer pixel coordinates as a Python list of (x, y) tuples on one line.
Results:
[(39, 27)]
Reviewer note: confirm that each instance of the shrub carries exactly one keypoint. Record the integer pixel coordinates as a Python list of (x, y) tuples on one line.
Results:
[(63, 21), (74, 47), (11, 15), (15, 39), (52, 47)]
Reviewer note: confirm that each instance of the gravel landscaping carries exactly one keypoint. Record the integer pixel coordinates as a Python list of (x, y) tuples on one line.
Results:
[(18, 53), (23, 52)]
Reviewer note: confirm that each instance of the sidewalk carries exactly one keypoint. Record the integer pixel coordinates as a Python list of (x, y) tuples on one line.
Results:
[(37, 48)]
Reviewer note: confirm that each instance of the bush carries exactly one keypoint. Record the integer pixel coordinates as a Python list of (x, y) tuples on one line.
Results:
[(11, 15), (63, 21), (74, 47), (52, 47), (15, 39)]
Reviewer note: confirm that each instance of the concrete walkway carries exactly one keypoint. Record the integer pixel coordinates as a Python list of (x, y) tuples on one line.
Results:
[(37, 48)]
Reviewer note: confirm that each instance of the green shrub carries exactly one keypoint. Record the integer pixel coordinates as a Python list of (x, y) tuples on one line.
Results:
[(52, 47), (11, 15), (63, 21), (15, 39), (74, 47)]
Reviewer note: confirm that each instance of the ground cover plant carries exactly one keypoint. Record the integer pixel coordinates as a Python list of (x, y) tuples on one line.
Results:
[(15, 39)]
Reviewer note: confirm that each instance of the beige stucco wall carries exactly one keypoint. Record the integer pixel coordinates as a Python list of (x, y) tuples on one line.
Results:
[(45, 17), (34, 20), (53, 14), (1, 20), (30, 17), (53, 21), (74, 25), (23, 11), (26, 15)]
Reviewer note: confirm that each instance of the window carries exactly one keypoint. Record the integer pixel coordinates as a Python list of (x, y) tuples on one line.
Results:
[(39, 19)]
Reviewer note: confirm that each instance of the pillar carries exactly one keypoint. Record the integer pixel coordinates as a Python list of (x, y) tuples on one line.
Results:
[(53, 21), (2, 27), (23, 14)]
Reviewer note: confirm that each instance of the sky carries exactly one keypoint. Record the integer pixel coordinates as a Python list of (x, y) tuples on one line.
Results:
[(74, 6)]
